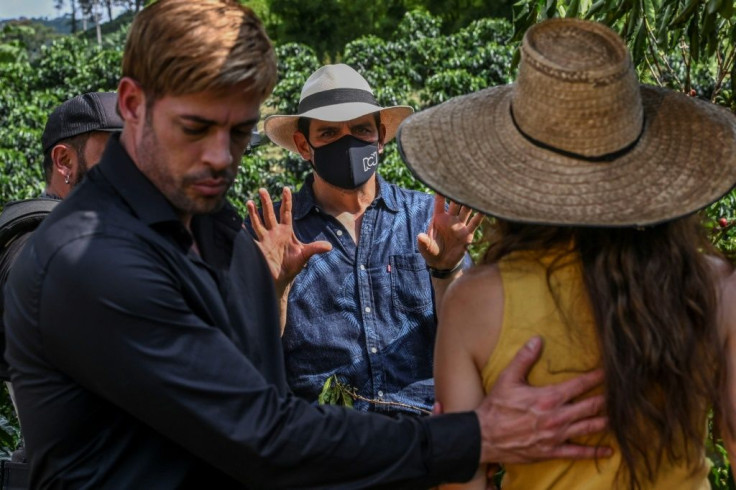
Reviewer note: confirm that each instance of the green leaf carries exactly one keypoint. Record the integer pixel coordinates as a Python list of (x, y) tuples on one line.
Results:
[(727, 9), (694, 39), (666, 19), (613, 15), (662, 29), (520, 20), (595, 8), (527, 19), (686, 14), (632, 22), (7, 435), (9, 53), (639, 43), (573, 9), (516, 59), (709, 32), (348, 401), (651, 10), (713, 6), (326, 392), (733, 70), (334, 392)]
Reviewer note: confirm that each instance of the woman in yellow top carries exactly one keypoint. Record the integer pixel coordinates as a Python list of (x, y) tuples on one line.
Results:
[(593, 180)]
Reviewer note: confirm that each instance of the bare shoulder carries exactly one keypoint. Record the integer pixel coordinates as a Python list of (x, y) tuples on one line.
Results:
[(727, 287), (721, 268), (472, 310), (725, 277), (476, 284), (478, 275)]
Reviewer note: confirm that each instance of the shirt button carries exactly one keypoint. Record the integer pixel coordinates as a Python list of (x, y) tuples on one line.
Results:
[(374, 350), (339, 232), (380, 394), (362, 267), (367, 309)]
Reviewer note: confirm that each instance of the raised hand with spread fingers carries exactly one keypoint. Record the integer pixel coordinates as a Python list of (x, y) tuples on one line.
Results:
[(450, 232), (285, 254)]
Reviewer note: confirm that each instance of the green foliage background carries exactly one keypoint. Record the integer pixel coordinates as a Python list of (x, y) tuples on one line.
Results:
[(415, 56)]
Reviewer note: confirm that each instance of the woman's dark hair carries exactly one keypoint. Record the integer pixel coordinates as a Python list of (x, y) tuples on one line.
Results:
[(653, 296)]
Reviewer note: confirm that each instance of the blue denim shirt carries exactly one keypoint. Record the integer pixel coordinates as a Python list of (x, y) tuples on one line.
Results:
[(365, 312)]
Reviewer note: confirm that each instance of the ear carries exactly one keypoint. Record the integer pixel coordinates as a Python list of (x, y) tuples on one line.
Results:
[(131, 102), (381, 137), (302, 145), (64, 158)]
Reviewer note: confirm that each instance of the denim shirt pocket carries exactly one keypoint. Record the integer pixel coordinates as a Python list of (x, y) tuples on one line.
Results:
[(411, 287)]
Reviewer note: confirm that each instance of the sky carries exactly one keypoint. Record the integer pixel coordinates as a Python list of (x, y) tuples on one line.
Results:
[(11, 9)]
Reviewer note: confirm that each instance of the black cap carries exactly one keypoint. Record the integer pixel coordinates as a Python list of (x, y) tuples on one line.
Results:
[(94, 111)]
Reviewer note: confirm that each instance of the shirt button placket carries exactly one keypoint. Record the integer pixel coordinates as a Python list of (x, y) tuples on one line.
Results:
[(372, 337)]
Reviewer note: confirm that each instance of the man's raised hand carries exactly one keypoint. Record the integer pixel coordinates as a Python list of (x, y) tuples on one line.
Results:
[(450, 232), (285, 254)]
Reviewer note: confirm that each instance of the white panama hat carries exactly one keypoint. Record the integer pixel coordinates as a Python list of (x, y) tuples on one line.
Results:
[(334, 93)]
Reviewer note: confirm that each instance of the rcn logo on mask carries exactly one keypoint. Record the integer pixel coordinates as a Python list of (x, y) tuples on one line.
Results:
[(370, 161)]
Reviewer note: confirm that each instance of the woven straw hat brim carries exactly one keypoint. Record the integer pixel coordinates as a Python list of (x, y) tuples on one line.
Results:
[(280, 128), (469, 150)]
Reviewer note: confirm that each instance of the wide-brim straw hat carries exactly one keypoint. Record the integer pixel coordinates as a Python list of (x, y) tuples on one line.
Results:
[(334, 93), (576, 140)]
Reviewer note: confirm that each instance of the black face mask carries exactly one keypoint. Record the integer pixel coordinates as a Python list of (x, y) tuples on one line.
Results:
[(346, 163)]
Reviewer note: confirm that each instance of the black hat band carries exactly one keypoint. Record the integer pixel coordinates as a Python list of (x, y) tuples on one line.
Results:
[(336, 96)]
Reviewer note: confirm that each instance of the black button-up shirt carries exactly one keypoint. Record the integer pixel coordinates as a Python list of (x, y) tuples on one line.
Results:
[(140, 364)]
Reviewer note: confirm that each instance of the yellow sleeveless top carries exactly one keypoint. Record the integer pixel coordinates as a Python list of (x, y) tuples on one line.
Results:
[(565, 322)]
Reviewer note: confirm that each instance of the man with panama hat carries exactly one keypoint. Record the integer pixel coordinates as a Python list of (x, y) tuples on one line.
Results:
[(363, 310)]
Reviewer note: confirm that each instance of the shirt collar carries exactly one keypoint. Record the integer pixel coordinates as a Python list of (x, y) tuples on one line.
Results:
[(144, 198), (386, 195), (306, 201), (137, 191)]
